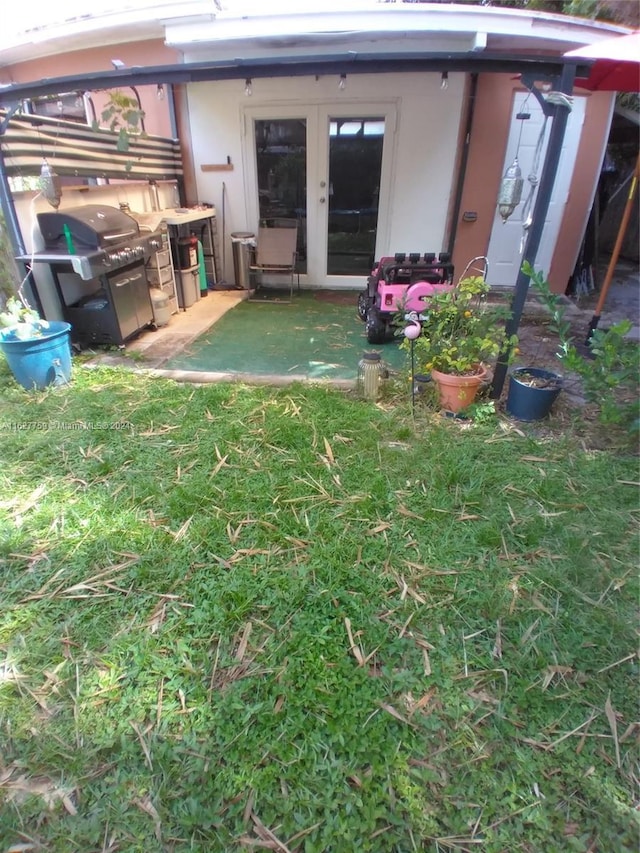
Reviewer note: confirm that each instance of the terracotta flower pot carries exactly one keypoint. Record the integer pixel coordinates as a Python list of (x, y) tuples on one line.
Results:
[(458, 392)]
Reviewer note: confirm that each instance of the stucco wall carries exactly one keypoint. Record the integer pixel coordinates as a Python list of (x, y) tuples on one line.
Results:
[(487, 147), (152, 52), (423, 145)]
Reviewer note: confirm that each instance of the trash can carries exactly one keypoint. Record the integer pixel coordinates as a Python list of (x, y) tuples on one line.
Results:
[(242, 245), (188, 287)]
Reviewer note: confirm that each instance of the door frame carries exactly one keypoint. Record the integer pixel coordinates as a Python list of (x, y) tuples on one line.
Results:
[(317, 115)]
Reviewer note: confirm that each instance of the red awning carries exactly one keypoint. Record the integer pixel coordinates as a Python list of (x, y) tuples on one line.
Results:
[(616, 66)]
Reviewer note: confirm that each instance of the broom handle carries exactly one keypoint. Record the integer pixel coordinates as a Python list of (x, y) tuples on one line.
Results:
[(618, 246)]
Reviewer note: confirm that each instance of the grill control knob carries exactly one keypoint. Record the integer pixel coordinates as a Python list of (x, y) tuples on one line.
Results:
[(155, 244)]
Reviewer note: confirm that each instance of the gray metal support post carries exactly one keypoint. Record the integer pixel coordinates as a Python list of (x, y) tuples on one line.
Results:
[(547, 180)]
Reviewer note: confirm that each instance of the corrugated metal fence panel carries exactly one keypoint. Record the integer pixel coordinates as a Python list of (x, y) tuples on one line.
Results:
[(77, 150)]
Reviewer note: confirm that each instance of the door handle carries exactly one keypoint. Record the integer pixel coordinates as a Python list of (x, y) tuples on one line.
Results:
[(322, 199)]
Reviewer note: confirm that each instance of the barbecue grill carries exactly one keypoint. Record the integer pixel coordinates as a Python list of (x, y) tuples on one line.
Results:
[(97, 257), (94, 239)]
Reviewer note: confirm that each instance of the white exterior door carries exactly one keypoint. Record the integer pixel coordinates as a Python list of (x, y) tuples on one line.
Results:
[(506, 244), (329, 166)]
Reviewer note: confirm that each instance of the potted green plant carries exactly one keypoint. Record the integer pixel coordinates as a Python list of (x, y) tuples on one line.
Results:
[(609, 368), (37, 351), (461, 333)]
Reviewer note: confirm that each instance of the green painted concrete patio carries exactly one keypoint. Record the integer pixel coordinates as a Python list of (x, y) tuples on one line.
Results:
[(316, 336)]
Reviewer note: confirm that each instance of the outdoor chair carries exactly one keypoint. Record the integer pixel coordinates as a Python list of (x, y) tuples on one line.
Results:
[(275, 254)]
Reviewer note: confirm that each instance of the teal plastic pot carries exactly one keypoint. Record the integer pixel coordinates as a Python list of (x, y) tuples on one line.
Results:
[(40, 361), (529, 402)]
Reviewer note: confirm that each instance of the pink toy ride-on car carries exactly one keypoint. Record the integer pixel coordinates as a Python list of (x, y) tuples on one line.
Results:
[(402, 283)]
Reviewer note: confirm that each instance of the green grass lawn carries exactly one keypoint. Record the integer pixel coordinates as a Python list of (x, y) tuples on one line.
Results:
[(238, 618)]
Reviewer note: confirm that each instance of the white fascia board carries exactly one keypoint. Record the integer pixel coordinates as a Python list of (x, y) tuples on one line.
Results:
[(322, 25), (378, 45), (389, 18), (57, 23)]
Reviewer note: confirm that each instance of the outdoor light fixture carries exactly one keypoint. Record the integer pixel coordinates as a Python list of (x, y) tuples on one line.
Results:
[(444, 80), (50, 186), (248, 87), (160, 92), (510, 190), (342, 82)]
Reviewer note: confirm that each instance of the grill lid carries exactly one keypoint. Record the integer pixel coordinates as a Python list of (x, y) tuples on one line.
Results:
[(92, 226)]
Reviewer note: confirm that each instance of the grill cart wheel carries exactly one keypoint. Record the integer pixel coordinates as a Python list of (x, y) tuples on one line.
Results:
[(377, 329)]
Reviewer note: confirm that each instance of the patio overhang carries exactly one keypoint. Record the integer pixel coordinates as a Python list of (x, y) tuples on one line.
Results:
[(349, 62)]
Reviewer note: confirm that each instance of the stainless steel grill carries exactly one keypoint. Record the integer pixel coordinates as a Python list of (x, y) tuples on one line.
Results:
[(97, 256), (93, 239)]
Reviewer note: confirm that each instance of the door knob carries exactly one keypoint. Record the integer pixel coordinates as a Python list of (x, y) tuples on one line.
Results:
[(322, 199)]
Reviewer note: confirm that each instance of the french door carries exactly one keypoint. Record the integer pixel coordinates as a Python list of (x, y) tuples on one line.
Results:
[(328, 167)]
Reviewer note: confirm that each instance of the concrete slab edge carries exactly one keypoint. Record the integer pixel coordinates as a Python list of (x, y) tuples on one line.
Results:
[(197, 377)]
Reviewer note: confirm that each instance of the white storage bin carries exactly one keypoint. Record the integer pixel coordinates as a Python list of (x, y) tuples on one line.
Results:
[(162, 259), (159, 276)]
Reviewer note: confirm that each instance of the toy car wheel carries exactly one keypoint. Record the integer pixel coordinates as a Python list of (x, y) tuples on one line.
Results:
[(364, 305), (376, 327)]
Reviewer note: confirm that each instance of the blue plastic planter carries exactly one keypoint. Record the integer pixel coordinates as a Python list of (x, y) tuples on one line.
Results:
[(528, 403), (38, 362)]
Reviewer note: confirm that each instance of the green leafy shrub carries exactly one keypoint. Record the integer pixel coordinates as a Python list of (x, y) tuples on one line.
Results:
[(461, 330), (610, 372)]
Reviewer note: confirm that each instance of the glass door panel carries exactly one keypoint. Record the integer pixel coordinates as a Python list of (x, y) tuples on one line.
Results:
[(329, 166), (355, 162), (281, 160)]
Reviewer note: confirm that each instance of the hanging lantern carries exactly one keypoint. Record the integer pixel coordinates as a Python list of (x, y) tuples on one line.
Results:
[(50, 185), (510, 190)]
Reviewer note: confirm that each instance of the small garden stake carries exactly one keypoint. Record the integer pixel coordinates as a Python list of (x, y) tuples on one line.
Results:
[(411, 332)]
